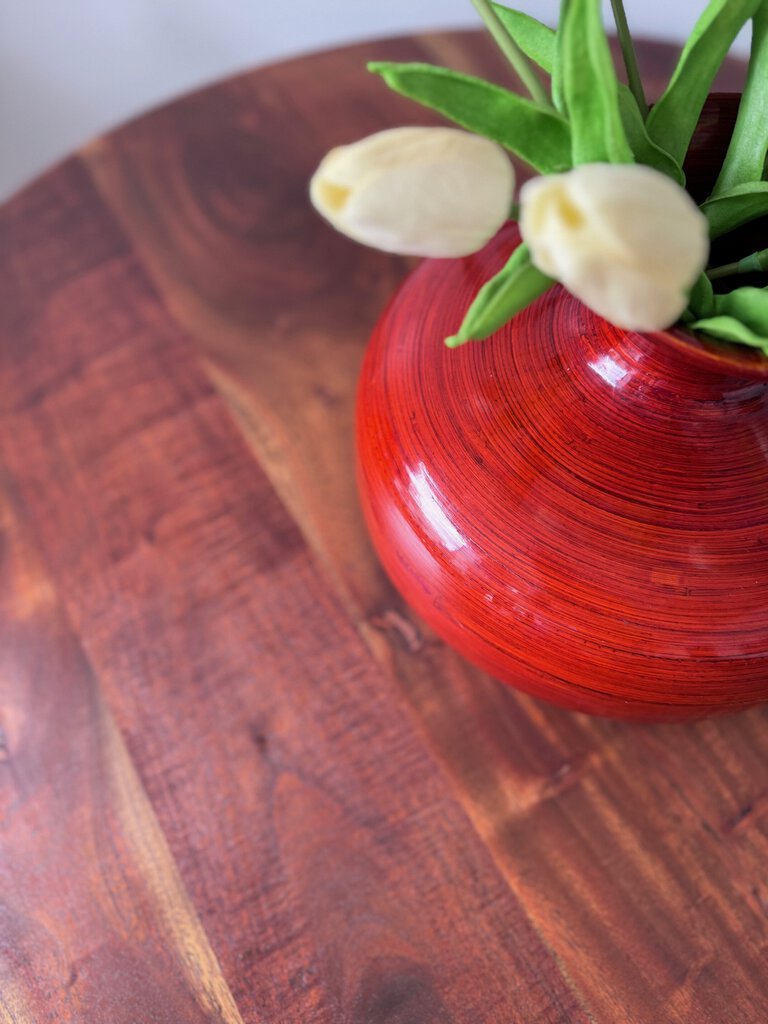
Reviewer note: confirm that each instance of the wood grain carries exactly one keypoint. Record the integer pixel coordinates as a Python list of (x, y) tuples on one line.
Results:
[(89, 889), (367, 829)]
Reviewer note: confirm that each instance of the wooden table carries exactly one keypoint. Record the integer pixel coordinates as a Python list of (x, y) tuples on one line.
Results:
[(238, 780)]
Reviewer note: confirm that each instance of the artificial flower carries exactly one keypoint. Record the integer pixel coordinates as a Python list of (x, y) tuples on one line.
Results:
[(416, 191), (623, 238)]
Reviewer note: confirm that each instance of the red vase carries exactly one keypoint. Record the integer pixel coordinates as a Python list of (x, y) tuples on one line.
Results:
[(580, 510)]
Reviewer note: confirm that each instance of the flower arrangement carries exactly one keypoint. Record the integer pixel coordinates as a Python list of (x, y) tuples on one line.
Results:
[(607, 215)]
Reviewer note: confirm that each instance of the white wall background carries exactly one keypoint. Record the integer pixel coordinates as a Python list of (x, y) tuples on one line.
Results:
[(70, 69)]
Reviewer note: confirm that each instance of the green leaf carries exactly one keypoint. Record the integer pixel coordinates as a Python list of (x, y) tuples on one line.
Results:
[(539, 42), (535, 39), (538, 135), (672, 120), (515, 286), (745, 159), (740, 315), (750, 305), (558, 82), (702, 300), (728, 328), (739, 206), (646, 151), (590, 86)]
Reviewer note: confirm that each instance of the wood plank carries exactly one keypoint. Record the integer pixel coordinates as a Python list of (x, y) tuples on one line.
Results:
[(620, 840), (95, 923), (329, 863)]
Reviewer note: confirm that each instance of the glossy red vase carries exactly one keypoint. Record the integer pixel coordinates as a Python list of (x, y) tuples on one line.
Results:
[(581, 511)]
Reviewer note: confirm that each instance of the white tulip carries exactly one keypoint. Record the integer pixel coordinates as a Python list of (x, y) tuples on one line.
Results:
[(416, 191), (623, 238)]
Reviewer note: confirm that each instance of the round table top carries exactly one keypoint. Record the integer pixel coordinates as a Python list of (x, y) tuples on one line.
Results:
[(240, 781)]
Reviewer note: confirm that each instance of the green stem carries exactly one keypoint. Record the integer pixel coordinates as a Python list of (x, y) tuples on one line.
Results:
[(512, 52), (755, 263), (628, 53)]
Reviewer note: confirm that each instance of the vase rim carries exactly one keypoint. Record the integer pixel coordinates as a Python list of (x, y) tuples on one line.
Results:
[(722, 357)]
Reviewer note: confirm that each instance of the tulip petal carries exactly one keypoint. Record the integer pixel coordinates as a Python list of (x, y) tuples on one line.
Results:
[(625, 239), (416, 191), (627, 297)]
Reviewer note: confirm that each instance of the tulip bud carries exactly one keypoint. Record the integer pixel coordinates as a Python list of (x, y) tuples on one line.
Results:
[(416, 191), (623, 238)]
